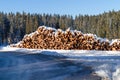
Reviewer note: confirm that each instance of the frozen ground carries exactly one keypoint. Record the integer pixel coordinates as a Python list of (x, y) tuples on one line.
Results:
[(104, 63)]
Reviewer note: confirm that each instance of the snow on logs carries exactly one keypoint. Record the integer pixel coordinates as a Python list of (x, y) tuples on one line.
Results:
[(50, 38)]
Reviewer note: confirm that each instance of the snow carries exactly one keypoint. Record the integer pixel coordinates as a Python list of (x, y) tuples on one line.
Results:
[(36, 32), (105, 63), (89, 34), (115, 41), (49, 28), (116, 74), (31, 34), (103, 40)]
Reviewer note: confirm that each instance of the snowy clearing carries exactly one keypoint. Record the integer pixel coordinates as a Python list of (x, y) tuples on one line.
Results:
[(105, 63)]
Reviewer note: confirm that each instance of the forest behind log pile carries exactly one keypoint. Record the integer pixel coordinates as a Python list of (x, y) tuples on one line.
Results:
[(13, 26)]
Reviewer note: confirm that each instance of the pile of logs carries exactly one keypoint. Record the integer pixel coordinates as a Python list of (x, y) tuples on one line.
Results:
[(48, 38)]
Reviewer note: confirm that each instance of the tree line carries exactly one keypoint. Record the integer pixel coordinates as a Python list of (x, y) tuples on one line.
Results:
[(13, 26)]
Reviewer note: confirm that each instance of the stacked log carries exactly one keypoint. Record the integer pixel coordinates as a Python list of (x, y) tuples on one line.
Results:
[(49, 38), (115, 45)]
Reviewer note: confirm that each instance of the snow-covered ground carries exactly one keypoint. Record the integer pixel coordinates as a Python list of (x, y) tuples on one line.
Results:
[(105, 63)]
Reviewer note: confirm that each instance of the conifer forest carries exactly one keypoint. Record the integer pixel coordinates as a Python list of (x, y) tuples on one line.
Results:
[(13, 26)]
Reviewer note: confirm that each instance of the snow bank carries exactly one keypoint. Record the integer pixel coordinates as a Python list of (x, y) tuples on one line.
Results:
[(69, 53), (105, 63), (116, 74)]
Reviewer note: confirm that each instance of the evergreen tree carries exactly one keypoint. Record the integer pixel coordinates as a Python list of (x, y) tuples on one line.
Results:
[(13, 26)]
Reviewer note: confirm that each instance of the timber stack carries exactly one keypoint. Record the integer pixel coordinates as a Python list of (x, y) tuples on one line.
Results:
[(49, 38)]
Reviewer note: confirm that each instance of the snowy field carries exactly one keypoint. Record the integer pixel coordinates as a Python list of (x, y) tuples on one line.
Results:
[(105, 63)]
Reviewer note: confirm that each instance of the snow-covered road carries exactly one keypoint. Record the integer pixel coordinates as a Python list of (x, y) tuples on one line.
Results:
[(20, 66), (59, 64)]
